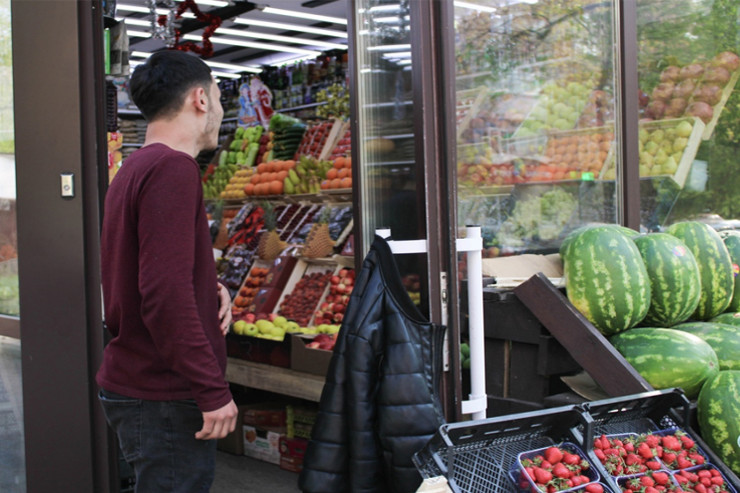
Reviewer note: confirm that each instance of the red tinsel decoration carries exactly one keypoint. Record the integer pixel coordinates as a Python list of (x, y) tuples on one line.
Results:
[(213, 21)]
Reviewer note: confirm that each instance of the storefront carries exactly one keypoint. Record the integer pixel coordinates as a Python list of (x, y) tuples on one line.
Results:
[(528, 118)]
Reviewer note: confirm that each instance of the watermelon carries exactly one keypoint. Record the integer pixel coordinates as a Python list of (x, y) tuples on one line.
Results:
[(732, 242), (724, 339), (717, 411), (675, 285), (715, 266), (729, 318), (606, 279), (668, 358), (574, 234)]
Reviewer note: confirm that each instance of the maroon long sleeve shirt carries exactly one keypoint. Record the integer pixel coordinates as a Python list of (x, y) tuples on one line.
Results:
[(159, 284)]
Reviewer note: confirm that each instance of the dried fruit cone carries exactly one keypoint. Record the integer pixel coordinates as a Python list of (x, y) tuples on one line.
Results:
[(270, 245), (318, 242)]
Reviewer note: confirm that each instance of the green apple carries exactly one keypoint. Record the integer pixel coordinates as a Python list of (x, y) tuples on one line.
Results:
[(660, 157), (651, 147), (239, 327), (644, 135), (251, 330), (657, 135), (280, 321), (670, 166), (264, 326)]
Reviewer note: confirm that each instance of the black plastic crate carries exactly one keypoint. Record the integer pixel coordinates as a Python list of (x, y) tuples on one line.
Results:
[(643, 413), (476, 456)]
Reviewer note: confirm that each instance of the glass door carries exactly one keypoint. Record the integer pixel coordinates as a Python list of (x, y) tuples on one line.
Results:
[(13, 475), (391, 191)]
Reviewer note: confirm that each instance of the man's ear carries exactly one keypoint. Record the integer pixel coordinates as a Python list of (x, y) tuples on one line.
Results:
[(199, 99)]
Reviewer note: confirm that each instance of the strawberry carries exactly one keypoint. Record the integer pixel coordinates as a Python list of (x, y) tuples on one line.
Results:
[(661, 478), (553, 455), (687, 442), (560, 471), (653, 465), (652, 440), (646, 481), (594, 488), (645, 450), (571, 459), (600, 454), (542, 476)]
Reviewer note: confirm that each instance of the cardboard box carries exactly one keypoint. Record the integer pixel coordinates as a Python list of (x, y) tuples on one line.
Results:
[(262, 443), (264, 414), (279, 273), (292, 451), (309, 360)]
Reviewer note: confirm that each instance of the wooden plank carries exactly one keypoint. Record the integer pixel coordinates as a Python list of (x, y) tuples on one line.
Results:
[(583, 341), (275, 379)]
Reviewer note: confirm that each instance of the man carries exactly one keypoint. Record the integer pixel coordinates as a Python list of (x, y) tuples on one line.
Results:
[(162, 377)]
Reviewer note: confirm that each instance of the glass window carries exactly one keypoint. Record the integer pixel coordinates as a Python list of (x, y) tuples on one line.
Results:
[(535, 85), (13, 476), (690, 112)]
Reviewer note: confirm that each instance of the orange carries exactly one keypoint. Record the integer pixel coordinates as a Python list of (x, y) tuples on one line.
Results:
[(336, 182), (325, 184), (342, 173), (339, 162), (281, 175), (249, 188), (276, 187), (331, 174), (262, 167), (254, 179), (345, 183), (288, 164)]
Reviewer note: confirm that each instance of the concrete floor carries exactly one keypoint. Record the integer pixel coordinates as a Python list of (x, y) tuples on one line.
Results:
[(234, 473)]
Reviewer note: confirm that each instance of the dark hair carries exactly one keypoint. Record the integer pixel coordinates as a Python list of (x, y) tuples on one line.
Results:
[(159, 86)]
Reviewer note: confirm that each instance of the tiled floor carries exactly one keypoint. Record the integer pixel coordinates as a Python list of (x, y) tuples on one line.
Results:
[(233, 473)]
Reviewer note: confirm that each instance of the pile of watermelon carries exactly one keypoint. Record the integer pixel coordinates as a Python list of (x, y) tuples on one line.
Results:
[(670, 304)]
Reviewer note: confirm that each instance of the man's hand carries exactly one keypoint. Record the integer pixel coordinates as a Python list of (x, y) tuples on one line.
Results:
[(224, 308), (218, 423)]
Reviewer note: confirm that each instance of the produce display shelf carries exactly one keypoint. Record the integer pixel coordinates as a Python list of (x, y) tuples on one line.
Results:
[(272, 378)]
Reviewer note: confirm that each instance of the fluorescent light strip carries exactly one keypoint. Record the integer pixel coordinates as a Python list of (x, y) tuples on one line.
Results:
[(291, 27), (135, 22), (472, 6), (291, 59), (385, 8), (145, 10), (225, 74), (138, 34), (397, 54), (228, 66), (258, 46), (304, 15), (402, 47), (283, 39), (212, 3)]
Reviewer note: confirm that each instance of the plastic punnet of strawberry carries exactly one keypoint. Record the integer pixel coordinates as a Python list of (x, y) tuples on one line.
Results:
[(704, 479), (560, 468), (650, 482), (678, 450), (626, 454)]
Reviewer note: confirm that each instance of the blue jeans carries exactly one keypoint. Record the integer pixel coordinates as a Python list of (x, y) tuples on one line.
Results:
[(157, 439)]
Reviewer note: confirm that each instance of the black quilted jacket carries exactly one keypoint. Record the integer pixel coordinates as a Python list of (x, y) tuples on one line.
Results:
[(379, 405)]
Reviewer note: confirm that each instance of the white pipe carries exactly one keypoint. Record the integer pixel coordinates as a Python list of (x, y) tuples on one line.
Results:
[(473, 245)]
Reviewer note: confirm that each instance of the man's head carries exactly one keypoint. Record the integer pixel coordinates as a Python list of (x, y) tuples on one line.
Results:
[(174, 88), (159, 86)]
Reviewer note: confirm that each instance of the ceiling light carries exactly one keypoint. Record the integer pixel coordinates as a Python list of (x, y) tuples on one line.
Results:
[(227, 66), (290, 59), (385, 8), (397, 55), (225, 74), (135, 22), (145, 10), (401, 47), (472, 6), (138, 34), (283, 39), (231, 66), (291, 27), (258, 46), (304, 15), (212, 3)]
